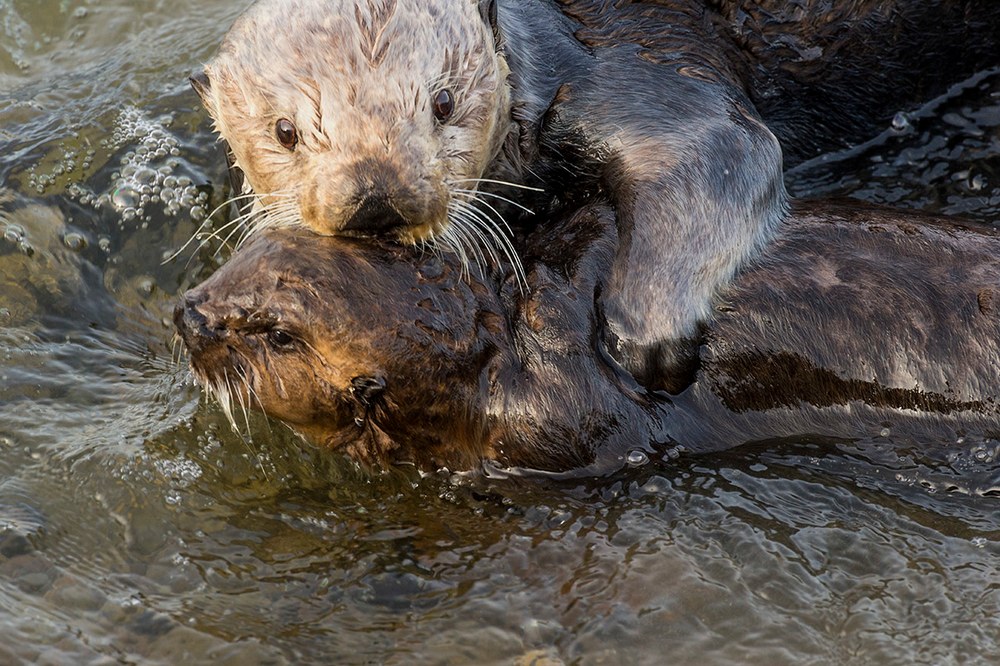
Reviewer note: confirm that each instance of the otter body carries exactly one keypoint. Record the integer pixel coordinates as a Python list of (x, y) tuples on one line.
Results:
[(856, 320), (421, 120), (388, 115)]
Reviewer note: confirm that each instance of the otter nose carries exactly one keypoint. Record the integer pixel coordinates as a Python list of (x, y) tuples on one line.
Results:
[(191, 323), (375, 215)]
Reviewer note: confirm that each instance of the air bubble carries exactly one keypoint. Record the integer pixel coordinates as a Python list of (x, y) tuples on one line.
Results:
[(75, 241), (146, 176), (636, 458), (146, 286), (125, 198), (14, 233)]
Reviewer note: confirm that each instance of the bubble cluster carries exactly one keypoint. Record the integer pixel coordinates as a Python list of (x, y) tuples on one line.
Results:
[(73, 160), (146, 177), (182, 471)]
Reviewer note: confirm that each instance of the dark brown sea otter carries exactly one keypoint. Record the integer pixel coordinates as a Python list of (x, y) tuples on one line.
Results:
[(399, 117), (392, 356)]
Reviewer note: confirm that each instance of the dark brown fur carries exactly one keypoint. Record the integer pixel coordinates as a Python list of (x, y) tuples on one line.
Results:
[(856, 320)]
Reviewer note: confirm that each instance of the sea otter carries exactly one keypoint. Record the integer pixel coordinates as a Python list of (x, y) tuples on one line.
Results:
[(393, 356), (421, 119), (385, 117)]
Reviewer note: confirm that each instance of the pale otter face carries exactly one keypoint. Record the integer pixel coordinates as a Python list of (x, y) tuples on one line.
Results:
[(361, 117)]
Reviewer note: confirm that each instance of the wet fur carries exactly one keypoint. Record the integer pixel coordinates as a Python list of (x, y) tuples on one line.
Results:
[(667, 108), (346, 75), (824, 336)]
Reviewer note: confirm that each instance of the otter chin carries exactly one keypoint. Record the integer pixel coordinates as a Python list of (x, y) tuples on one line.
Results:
[(391, 356)]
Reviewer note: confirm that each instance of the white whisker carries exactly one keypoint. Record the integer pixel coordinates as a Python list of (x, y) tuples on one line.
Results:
[(478, 193), (255, 217), (490, 232), (498, 182), (468, 218)]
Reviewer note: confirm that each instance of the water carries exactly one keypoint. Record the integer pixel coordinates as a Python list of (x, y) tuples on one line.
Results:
[(135, 527)]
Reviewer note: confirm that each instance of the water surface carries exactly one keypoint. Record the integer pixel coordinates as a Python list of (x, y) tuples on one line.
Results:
[(136, 527)]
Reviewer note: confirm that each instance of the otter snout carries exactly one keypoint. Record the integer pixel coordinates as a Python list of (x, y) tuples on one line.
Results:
[(375, 196), (376, 214), (196, 325), (382, 200)]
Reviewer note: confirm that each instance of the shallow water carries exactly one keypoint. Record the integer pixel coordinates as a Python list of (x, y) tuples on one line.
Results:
[(135, 527)]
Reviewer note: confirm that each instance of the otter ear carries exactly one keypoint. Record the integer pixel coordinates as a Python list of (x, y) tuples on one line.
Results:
[(488, 9), (202, 85)]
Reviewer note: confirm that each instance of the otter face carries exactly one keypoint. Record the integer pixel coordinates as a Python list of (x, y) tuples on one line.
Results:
[(250, 343), (361, 118), (347, 344)]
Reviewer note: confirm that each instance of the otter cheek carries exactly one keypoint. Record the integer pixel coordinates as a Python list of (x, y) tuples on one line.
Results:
[(310, 208), (320, 208), (430, 215), (280, 395)]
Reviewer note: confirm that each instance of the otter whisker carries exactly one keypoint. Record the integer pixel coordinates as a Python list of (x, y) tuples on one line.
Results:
[(259, 219), (223, 396), (255, 216), (248, 438), (473, 198), (449, 244), (441, 80), (504, 238), (468, 216), (237, 199), (285, 214), (237, 229), (468, 240), (253, 395), (461, 214), (235, 223), (249, 196), (478, 193), (175, 351), (451, 239), (498, 182), (216, 234), (243, 407), (492, 232)]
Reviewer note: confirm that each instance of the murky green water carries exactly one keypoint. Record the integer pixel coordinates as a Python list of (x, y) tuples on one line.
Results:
[(136, 528)]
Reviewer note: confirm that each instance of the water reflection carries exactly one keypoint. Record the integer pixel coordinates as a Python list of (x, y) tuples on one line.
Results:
[(136, 527)]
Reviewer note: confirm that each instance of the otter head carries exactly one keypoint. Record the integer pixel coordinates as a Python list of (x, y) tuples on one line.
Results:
[(361, 117), (346, 343)]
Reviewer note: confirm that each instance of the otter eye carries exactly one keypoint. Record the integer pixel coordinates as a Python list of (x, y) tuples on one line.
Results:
[(286, 133), (279, 338), (444, 105)]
